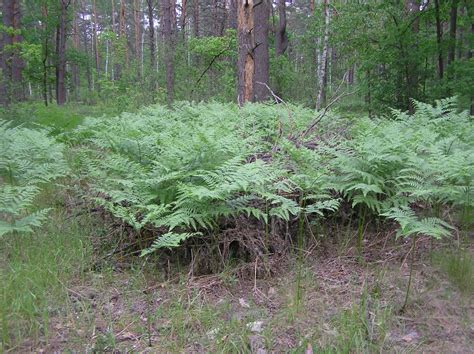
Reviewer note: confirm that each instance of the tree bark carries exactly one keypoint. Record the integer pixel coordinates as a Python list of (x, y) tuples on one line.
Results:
[(196, 18), (439, 38), (322, 64), (167, 26), (61, 54), (136, 21), (232, 18), (113, 16), (151, 29), (123, 31), (261, 56), (17, 62), (11, 63), (281, 36), (452, 31), (246, 46), (96, 39), (7, 40)]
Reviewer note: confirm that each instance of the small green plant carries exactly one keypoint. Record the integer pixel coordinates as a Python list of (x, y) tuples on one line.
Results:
[(411, 225)]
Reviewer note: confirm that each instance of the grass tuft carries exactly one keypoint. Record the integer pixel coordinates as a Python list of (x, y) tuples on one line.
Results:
[(459, 267)]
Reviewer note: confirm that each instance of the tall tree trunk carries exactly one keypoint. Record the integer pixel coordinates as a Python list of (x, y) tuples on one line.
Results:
[(183, 17), (113, 16), (246, 44), (167, 26), (75, 41), (151, 29), (96, 39), (136, 21), (232, 18), (452, 31), (439, 38), (11, 63), (412, 9), (261, 14), (45, 59), (322, 64), (123, 30), (196, 18), (281, 36), (17, 61), (61, 53), (5, 63)]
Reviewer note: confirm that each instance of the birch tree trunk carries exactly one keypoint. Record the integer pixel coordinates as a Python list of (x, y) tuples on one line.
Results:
[(322, 64), (246, 46)]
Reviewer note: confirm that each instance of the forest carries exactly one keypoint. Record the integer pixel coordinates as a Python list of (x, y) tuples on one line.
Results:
[(251, 176)]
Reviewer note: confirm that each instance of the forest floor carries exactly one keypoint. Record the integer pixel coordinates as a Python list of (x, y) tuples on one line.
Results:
[(53, 301)]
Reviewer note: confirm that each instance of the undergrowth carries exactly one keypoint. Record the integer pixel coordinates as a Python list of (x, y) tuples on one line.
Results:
[(227, 179), (186, 172)]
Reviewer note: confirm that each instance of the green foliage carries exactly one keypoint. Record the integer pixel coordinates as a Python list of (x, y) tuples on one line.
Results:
[(35, 272), (424, 158), (187, 169), (28, 160), (459, 267), (410, 224), (182, 171)]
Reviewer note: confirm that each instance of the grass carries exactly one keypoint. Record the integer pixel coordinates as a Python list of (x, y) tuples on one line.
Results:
[(35, 274), (57, 118), (458, 265), (50, 292)]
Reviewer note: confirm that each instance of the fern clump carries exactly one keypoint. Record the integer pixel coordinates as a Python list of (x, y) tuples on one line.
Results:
[(184, 170), (180, 172), (29, 159)]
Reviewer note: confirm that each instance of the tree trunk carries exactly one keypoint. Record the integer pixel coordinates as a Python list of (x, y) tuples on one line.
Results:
[(452, 31), (439, 38), (281, 36), (167, 25), (261, 14), (322, 64), (232, 18), (136, 21), (151, 28), (17, 61), (96, 40), (113, 16), (123, 32), (75, 41), (246, 46), (61, 53), (7, 40), (11, 63), (196, 18), (183, 17)]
